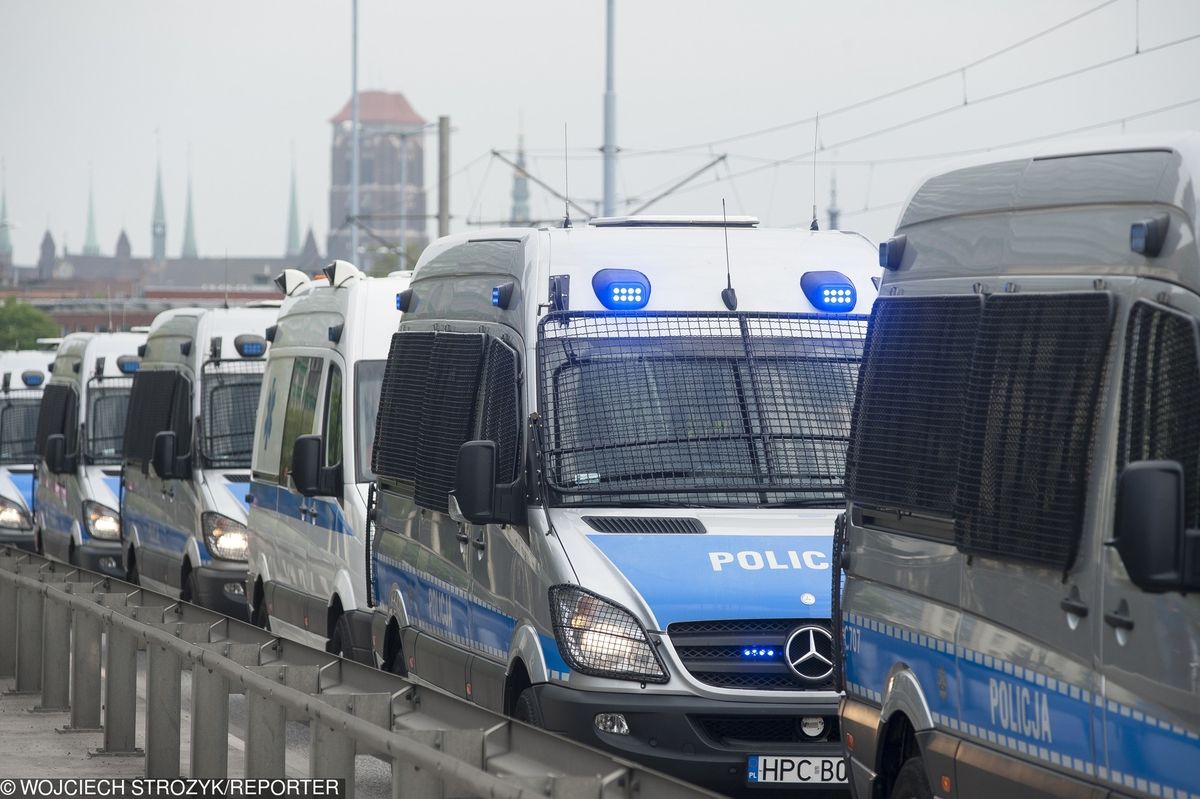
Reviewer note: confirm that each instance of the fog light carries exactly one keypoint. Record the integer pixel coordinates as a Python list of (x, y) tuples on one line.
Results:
[(235, 589), (612, 722), (108, 563), (812, 726)]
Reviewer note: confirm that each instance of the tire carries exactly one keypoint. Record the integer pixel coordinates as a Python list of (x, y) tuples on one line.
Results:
[(132, 575), (911, 782), (191, 587), (341, 644), (528, 709), (396, 664), (259, 617)]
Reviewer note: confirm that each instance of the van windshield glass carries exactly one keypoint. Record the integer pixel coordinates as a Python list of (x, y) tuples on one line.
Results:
[(108, 402), (230, 402), (18, 426), (368, 380), (697, 409)]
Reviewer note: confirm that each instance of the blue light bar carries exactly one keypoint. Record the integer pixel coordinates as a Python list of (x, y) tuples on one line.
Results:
[(250, 346), (404, 299), (621, 289), (829, 291), (760, 652), (502, 295), (32, 378), (128, 364)]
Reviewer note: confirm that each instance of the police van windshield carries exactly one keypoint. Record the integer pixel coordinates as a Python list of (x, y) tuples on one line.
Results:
[(107, 404), (367, 386), (705, 410), (227, 414), (18, 427)]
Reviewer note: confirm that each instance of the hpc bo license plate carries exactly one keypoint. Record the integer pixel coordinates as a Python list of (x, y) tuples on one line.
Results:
[(799, 770)]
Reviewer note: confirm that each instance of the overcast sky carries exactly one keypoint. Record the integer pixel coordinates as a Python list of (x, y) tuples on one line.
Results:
[(230, 89)]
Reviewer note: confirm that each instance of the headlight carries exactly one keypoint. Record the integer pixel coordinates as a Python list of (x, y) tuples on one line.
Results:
[(600, 638), (13, 516), (226, 538), (101, 520)]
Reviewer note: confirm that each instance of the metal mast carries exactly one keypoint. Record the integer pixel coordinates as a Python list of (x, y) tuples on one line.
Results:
[(354, 131), (610, 124)]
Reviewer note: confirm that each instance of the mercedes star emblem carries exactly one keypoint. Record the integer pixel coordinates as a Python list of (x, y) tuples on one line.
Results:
[(809, 653)]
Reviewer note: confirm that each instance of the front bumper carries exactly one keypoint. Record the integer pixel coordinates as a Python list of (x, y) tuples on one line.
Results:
[(667, 734), (223, 589), (22, 539), (101, 556)]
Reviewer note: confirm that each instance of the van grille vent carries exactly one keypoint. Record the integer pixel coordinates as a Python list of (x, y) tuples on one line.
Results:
[(714, 652), (644, 524)]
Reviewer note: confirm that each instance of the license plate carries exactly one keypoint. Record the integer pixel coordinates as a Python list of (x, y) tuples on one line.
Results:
[(798, 770)]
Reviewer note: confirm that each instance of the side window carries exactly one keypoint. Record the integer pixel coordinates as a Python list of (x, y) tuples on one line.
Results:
[(333, 416), (1160, 388), (500, 420), (181, 415), (150, 403), (58, 413), (301, 409), (269, 433)]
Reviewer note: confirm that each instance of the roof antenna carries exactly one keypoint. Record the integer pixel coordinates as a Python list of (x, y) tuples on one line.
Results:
[(728, 295), (566, 183), (227, 278), (816, 132)]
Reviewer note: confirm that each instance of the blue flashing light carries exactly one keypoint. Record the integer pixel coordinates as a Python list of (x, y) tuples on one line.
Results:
[(32, 378), (621, 289), (829, 291), (758, 653), (496, 296), (128, 364), (404, 300), (250, 346), (502, 295)]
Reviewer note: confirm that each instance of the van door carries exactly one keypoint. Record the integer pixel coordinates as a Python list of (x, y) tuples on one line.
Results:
[(326, 527), (59, 413), (1150, 643)]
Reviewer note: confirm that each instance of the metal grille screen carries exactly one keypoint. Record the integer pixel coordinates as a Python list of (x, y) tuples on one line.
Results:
[(1160, 396), (108, 402), (400, 403), (500, 421), (57, 414), (1027, 431), (150, 405), (18, 426), (228, 408), (904, 449), (697, 408)]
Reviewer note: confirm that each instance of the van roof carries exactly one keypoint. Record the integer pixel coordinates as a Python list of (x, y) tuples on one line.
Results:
[(365, 307), (198, 328), (80, 351)]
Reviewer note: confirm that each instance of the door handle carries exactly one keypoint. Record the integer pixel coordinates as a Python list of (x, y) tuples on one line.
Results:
[(1074, 606), (307, 510), (1118, 620)]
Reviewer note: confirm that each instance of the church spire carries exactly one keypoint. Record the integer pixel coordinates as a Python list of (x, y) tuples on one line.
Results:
[(90, 245), (293, 228), (159, 227), (5, 240), (833, 210), (189, 226), (520, 189)]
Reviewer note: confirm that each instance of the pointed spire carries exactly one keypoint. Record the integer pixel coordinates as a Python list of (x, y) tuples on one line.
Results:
[(520, 189), (158, 228), (293, 228), (5, 240), (833, 211), (189, 226), (90, 245)]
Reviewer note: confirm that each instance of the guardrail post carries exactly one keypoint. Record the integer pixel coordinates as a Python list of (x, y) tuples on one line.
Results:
[(120, 689), (409, 780), (85, 673), (210, 722), (265, 736), (162, 711), (331, 754), (8, 629), (29, 641), (56, 656)]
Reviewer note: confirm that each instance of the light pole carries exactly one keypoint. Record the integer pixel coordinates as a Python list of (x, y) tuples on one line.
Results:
[(354, 130), (610, 123)]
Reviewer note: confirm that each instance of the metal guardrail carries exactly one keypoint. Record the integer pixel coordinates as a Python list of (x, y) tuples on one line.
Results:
[(57, 622)]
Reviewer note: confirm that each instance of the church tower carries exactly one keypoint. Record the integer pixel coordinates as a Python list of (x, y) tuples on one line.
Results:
[(189, 226), (90, 245), (520, 190), (158, 228), (293, 225), (5, 239), (833, 210)]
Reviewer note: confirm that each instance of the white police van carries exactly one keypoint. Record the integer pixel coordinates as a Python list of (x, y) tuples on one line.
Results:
[(81, 429), (310, 469), (1022, 585), (186, 460), (22, 375), (608, 463)]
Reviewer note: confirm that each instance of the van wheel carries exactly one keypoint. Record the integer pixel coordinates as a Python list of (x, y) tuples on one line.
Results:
[(132, 575), (341, 642), (911, 782), (259, 617), (191, 587), (527, 709)]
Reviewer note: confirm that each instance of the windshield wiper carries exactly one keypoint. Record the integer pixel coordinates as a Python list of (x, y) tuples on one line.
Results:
[(802, 503)]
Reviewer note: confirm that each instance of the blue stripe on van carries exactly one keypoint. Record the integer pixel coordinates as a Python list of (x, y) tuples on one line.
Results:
[(287, 503), (24, 484)]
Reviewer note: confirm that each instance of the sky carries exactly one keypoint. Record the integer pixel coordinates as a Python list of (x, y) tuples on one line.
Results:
[(231, 92)]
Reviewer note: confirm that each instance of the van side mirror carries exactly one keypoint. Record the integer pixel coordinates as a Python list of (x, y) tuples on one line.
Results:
[(1159, 553), (309, 472), (164, 459), (57, 461), (480, 500)]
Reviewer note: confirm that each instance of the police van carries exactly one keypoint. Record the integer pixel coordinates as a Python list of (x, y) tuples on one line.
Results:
[(608, 462), (310, 468), (186, 459), (1022, 585), (80, 432), (22, 374)]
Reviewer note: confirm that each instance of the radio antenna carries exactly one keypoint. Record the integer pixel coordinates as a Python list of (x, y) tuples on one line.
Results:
[(728, 295), (566, 182), (816, 134)]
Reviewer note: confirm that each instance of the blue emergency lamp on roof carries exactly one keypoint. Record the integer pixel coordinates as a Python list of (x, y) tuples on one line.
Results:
[(621, 289), (249, 345), (829, 291), (32, 378), (128, 364)]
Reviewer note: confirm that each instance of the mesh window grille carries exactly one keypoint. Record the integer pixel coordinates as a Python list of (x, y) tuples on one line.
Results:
[(228, 408), (400, 402), (697, 408), (57, 414), (1160, 396), (18, 426), (500, 420), (912, 390), (108, 402), (1028, 425), (150, 403)]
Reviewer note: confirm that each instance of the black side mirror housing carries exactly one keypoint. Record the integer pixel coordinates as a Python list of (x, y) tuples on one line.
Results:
[(480, 500), (57, 460), (1159, 553), (165, 459), (309, 472)]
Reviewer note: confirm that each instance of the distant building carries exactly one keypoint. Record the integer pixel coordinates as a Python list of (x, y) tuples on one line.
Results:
[(391, 188)]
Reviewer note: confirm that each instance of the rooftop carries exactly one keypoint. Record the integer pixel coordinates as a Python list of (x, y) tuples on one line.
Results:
[(380, 106)]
